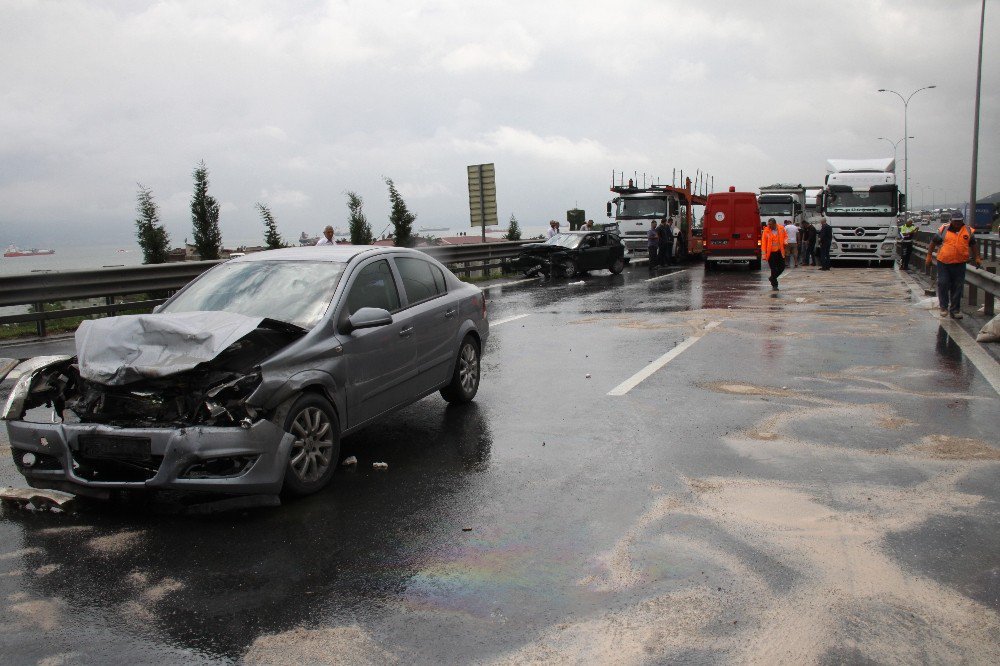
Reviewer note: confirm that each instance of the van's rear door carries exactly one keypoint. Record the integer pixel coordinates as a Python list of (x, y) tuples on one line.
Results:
[(745, 230), (719, 224)]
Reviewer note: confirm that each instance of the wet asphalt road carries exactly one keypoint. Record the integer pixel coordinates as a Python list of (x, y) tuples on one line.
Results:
[(813, 479)]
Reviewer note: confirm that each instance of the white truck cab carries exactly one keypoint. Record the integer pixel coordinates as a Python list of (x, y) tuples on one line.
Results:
[(861, 201)]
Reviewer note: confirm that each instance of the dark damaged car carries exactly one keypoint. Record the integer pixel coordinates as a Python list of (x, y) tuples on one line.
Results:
[(245, 380), (574, 252)]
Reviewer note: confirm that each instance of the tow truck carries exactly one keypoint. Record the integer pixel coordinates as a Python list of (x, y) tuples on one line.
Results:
[(635, 206)]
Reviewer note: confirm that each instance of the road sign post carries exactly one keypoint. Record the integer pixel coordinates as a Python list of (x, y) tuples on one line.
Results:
[(482, 196)]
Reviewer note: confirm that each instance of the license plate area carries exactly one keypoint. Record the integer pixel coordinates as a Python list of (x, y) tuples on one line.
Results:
[(114, 447)]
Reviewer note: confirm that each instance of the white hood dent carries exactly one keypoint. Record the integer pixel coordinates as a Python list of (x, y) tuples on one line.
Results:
[(121, 350)]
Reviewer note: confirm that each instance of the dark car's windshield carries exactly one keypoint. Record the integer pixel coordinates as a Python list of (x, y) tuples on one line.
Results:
[(297, 292), (564, 240)]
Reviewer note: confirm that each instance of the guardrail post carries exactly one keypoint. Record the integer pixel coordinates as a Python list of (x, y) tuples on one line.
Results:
[(40, 324), (110, 300), (987, 296), (972, 293)]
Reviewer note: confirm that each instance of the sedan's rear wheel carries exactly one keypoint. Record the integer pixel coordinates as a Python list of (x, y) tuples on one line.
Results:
[(316, 448), (465, 379), (617, 266)]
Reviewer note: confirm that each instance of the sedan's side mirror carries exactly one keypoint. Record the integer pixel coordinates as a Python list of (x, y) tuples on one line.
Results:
[(368, 318)]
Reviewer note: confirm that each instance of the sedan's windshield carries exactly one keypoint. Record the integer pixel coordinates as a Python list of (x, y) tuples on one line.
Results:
[(854, 203), (645, 208), (564, 240), (297, 292)]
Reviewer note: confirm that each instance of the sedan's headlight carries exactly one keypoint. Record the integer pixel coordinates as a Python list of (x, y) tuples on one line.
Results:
[(16, 385)]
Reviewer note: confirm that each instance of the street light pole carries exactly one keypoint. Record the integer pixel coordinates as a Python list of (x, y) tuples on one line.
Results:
[(971, 219), (894, 145), (906, 132)]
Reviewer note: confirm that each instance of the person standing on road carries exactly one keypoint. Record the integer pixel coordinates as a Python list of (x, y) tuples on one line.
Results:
[(906, 233), (958, 245), (773, 242), (652, 244), (666, 240), (825, 242), (792, 243), (808, 253), (327, 238)]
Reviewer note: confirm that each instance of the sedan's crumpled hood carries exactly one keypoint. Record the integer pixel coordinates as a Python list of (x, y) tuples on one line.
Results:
[(120, 350), (541, 248)]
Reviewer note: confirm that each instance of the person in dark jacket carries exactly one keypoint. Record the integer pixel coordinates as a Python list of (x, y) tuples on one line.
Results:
[(808, 254), (825, 241), (666, 238), (652, 245)]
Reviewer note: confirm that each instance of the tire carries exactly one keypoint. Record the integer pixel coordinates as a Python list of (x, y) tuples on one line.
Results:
[(755, 265), (710, 266), (568, 267), (617, 267), (465, 378), (316, 450)]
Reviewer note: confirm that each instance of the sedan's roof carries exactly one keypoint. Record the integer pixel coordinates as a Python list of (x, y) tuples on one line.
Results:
[(335, 253)]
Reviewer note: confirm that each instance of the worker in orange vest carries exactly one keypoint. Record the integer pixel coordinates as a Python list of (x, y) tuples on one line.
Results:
[(772, 249), (958, 245)]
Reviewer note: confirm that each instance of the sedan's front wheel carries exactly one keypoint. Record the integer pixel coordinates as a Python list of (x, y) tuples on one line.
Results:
[(316, 448), (465, 380)]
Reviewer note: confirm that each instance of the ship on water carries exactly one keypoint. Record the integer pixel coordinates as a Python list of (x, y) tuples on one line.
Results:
[(434, 228), (14, 251)]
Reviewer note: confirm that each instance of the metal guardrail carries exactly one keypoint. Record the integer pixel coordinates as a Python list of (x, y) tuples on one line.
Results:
[(153, 283), (976, 279)]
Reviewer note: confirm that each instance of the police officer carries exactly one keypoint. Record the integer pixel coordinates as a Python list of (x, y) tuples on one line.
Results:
[(906, 233)]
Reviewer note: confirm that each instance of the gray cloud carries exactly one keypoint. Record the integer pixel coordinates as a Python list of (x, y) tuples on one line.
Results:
[(291, 104)]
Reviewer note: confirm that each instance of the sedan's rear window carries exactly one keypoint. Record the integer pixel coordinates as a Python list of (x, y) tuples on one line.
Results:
[(297, 292), (419, 279)]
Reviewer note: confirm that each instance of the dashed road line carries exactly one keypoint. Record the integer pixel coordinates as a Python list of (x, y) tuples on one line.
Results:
[(509, 319), (648, 371)]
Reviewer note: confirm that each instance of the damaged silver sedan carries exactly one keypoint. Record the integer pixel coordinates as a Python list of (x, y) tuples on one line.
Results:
[(245, 381)]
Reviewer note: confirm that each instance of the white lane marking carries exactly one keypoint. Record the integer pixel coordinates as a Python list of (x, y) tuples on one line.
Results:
[(509, 319), (987, 367), (511, 283), (648, 371), (664, 277)]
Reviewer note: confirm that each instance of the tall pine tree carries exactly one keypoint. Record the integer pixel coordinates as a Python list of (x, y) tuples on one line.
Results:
[(513, 229), (272, 239), (205, 216), (360, 230), (152, 236), (400, 217)]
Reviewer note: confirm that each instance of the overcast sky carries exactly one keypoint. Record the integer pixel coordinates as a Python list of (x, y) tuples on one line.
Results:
[(291, 104)]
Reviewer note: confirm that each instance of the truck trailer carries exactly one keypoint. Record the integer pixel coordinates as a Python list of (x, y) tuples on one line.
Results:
[(861, 200), (634, 207)]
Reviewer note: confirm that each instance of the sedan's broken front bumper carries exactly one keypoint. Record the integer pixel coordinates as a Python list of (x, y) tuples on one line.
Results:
[(92, 459)]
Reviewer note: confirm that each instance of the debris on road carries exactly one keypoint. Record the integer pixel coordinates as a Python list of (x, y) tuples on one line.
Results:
[(990, 332), (588, 375), (380, 465), (39, 500), (350, 460)]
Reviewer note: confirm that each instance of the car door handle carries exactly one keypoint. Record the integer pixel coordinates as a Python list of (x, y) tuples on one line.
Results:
[(450, 313), (406, 332)]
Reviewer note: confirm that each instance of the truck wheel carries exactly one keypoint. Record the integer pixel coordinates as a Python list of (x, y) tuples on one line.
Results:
[(316, 449), (465, 379), (568, 267), (617, 266)]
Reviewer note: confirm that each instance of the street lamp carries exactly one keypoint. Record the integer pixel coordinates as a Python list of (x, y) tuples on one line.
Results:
[(906, 131), (894, 144)]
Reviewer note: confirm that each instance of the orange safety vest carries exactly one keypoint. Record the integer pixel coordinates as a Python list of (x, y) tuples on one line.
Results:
[(772, 241), (955, 246)]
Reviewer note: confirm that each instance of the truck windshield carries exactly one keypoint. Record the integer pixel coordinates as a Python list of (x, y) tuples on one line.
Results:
[(779, 208), (644, 208), (861, 203)]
